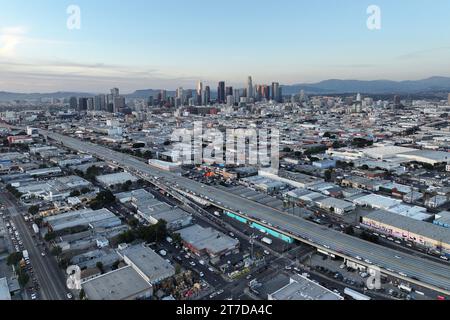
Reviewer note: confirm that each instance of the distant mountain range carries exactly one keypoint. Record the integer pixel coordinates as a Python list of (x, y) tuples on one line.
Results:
[(333, 86)]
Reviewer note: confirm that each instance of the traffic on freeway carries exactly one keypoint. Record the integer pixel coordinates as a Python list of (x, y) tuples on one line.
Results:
[(414, 269)]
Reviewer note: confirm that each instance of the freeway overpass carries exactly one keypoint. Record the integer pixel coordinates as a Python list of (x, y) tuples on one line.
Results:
[(429, 274)]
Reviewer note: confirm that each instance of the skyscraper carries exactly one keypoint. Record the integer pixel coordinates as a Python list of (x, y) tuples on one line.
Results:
[(82, 104), (448, 99), (228, 91), (199, 92), (115, 92), (100, 102), (118, 104), (249, 88), (206, 97), (276, 92), (221, 92), (73, 103)]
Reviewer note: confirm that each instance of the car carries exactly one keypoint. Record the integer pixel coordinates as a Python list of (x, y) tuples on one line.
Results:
[(69, 296), (390, 239), (211, 269), (342, 266), (192, 263), (43, 254), (201, 274), (288, 268), (444, 258)]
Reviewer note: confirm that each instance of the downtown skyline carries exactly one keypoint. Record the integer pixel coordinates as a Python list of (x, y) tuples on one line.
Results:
[(154, 45)]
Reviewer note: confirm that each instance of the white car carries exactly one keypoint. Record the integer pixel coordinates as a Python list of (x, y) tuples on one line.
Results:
[(69, 296)]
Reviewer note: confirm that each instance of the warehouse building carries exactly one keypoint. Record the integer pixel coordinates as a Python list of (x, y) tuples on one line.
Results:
[(152, 210), (121, 284), (301, 288), (112, 180), (425, 234), (443, 219), (4, 290), (102, 218), (147, 263), (207, 241)]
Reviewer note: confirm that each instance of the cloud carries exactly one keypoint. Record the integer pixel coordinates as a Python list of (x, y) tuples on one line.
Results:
[(10, 38), (421, 53)]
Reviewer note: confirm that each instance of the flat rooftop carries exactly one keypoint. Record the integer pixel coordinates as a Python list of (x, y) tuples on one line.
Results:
[(424, 229), (301, 288), (148, 263), (122, 284)]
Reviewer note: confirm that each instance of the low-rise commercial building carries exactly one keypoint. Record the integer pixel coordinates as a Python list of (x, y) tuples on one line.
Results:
[(422, 233), (147, 263), (301, 288), (121, 284), (207, 241)]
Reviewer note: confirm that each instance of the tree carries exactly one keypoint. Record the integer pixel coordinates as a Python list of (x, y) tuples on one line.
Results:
[(56, 251), (75, 193), (328, 175), (177, 238), (82, 294), (99, 265), (50, 236), (33, 210), (23, 278), (14, 258)]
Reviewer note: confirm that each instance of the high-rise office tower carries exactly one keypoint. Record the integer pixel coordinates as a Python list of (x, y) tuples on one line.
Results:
[(206, 98), (118, 104), (228, 91), (275, 91), (180, 96), (82, 104), (199, 92), (236, 95), (115, 92), (150, 101), (397, 100), (221, 92), (249, 88), (90, 104), (73, 103), (163, 95), (99, 102), (448, 99)]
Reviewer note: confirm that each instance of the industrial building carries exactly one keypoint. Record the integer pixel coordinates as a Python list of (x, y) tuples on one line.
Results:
[(112, 180), (121, 284), (207, 241), (4, 290), (422, 233), (152, 210), (301, 288), (86, 217), (147, 263)]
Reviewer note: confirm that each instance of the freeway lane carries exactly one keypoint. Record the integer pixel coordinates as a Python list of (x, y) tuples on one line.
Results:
[(428, 272)]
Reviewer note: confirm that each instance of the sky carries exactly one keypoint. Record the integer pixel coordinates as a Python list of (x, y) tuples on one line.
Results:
[(141, 44)]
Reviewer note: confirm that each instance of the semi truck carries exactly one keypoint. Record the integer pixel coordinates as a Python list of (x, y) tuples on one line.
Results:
[(35, 228), (356, 295)]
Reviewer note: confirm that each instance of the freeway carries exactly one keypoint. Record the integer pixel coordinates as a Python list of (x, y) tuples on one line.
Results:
[(413, 269)]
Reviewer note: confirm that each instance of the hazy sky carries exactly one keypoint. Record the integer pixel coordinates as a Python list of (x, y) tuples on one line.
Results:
[(141, 44)]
